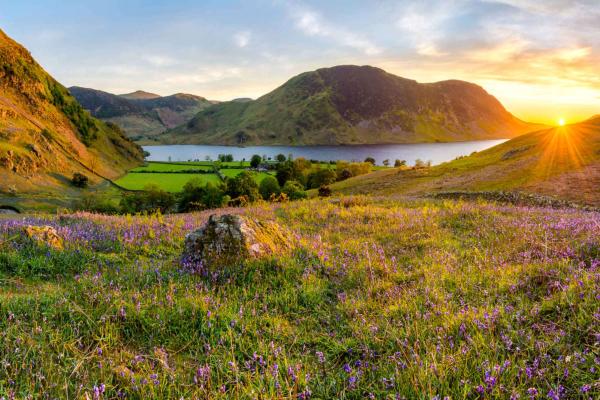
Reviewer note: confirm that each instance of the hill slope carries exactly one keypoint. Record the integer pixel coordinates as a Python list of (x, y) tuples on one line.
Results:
[(354, 105), (562, 162), (45, 135), (140, 114)]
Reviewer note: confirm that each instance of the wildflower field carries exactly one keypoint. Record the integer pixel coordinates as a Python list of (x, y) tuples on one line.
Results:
[(382, 298)]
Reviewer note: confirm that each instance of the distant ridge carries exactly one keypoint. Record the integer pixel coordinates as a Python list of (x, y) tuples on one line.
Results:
[(351, 104), (140, 114)]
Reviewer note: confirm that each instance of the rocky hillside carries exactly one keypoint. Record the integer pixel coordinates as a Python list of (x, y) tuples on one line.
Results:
[(562, 162), (354, 105), (141, 115), (45, 135)]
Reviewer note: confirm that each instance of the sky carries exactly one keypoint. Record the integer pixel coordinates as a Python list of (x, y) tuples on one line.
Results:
[(539, 58)]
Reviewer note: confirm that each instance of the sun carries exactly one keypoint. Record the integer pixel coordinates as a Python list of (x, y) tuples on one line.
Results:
[(561, 122)]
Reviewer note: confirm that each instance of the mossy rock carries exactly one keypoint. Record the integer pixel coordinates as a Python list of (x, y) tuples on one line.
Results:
[(228, 240)]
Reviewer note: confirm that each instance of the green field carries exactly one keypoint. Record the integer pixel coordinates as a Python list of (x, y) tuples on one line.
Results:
[(172, 167), (169, 182)]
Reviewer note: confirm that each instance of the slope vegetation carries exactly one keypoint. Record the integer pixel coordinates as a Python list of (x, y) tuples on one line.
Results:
[(354, 105), (563, 162), (141, 115), (46, 136)]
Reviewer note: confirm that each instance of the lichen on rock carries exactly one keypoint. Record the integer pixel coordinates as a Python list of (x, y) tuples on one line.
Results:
[(45, 236)]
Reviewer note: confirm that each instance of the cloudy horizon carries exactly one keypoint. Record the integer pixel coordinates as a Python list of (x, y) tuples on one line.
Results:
[(539, 60)]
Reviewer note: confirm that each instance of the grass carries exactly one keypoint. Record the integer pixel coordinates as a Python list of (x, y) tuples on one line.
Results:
[(562, 162), (169, 182), (381, 298)]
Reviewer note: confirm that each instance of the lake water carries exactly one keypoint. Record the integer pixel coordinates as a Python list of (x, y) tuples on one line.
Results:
[(436, 152)]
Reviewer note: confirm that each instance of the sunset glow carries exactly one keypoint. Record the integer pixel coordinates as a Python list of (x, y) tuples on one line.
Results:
[(540, 59)]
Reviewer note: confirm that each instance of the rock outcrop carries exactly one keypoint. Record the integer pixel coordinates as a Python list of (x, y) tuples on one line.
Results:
[(230, 239)]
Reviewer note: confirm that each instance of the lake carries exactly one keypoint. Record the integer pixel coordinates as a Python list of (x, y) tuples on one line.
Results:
[(436, 152)]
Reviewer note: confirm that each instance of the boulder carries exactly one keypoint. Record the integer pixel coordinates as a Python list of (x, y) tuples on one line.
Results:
[(229, 239), (44, 235)]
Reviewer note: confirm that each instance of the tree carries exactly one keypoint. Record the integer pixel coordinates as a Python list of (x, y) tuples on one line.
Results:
[(191, 196), (386, 162), (243, 184), (324, 191), (294, 190), (255, 161), (370, 160), (280, 158), (151, 199), (400, 163), (79, 180), (269, 186), (321, 177)]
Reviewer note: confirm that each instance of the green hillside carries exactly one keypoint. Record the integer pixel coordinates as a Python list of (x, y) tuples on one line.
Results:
[(353, 105), (563, 162), (46, 136)]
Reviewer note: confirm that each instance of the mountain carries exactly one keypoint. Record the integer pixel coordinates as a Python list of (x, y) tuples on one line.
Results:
[(563, 162), (140, 114), (139, 95), (45, 134), (354, 105)]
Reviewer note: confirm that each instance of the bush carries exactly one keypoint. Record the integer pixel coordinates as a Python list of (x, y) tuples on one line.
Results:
[(243, 185), (150, 200), (294, 190), (269, 187), (280, 158), (400, 163), (370, 160), (79, 180), (324, 191)]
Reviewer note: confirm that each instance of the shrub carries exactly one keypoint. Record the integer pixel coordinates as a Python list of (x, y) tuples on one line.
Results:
[(269, 187), (294, 190), (280, 158), (324, 191), (79, 180), (243, 185)]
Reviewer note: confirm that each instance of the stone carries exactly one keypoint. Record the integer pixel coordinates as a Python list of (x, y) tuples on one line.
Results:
[(229, 239), (44, 235)]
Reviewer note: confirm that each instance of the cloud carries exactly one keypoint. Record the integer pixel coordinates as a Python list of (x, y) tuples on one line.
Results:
[(242, 39), (159, 60), (312, 23)]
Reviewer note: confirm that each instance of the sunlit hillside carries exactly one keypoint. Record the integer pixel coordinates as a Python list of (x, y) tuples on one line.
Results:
[(562, 162)]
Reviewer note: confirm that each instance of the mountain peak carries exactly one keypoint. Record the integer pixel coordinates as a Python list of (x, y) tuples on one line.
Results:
[(351, 104), (139, 95)]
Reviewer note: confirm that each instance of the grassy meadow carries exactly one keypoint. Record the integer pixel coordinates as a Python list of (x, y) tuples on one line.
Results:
[(382, 298)]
